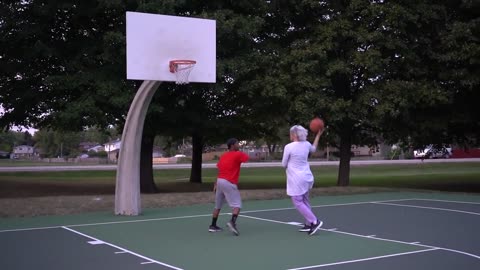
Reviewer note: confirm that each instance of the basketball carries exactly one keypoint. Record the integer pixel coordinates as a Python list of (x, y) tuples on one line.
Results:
[(316, 125)]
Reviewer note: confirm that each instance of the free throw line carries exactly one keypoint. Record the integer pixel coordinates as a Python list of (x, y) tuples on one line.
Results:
[(122, 249), (426, 207), (364, 259)]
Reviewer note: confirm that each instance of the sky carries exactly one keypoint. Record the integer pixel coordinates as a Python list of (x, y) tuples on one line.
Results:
[(19, 128)]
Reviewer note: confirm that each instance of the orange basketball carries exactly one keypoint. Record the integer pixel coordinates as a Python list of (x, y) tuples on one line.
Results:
[(316, 125)]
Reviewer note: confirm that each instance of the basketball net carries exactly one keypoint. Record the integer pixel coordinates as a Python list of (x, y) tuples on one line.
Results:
[(182, 69)]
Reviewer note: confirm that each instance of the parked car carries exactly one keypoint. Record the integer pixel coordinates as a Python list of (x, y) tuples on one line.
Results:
[(432, 151)]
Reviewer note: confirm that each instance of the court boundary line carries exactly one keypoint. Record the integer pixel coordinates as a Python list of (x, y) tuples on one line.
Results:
[(448, 201), (367, 237), (364, 259), (189, 216), (122, 249), (426, 207)]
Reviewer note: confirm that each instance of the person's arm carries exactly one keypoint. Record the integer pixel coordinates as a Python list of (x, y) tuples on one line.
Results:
[(244, 157), (286, 157), (315, 141)]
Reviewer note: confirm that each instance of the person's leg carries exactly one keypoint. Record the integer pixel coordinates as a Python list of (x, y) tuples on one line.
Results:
[(219, 200), (215, 214), (306, 201), (233, 198), (314, 226), (303, 209)]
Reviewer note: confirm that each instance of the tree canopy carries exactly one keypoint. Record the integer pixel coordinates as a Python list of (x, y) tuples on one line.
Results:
[(379, 70)]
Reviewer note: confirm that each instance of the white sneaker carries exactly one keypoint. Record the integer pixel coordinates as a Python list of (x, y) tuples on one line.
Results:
[(305, 228), (315, 227), (233, 228)]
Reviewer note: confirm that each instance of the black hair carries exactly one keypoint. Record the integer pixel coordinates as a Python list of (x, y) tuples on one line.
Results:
[(231, 142)]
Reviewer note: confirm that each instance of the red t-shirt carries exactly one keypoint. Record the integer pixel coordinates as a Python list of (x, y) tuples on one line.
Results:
[(229, 165)]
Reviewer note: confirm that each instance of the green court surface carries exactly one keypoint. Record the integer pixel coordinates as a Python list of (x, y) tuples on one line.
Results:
[(367, 231)]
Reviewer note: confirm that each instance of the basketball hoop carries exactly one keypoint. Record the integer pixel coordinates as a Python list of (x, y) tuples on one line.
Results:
[(182, 69)]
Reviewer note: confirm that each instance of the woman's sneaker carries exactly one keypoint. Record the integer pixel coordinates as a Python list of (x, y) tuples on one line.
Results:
[(305, 228), (214, 228), (315, 227)]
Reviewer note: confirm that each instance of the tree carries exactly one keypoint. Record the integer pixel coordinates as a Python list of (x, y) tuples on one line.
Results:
[(57, 143), (10, 139), (72, 75), (436, 98), (367, 67), (212, 113)]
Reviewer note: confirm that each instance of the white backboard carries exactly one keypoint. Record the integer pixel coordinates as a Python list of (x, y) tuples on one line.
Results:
[(154, 40)]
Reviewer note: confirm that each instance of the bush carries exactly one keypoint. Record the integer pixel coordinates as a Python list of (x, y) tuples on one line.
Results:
[(184, 160), (97, 154), (337, 154), (394, 155)]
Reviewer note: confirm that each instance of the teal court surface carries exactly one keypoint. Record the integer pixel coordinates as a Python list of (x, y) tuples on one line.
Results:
[(366, 231)]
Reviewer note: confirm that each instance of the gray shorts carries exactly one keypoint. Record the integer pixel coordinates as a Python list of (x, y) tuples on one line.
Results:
[(229, 192)]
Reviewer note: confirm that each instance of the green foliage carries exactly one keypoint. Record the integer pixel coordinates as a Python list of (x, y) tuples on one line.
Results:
[(101, 154), (70, 76), (10, 139), (400, 71), (51, 143)]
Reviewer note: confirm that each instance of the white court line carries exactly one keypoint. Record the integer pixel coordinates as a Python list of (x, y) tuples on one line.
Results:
[(376, 238), (365, 259), (435, 200), (425, 207), (108, 223), (295, 223), (122, 249), (120, 252), (192, 216), (325, 205), (96, 242)]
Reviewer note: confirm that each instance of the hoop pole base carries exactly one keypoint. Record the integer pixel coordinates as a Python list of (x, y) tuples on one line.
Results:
[(127, 189)]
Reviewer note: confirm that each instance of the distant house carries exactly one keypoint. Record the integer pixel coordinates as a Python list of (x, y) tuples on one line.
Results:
[(112, 145), (86, 146), (112, 148), (23, 151), (96, 148)]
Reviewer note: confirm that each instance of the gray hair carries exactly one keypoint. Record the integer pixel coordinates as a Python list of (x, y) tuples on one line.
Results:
[(300, 132)]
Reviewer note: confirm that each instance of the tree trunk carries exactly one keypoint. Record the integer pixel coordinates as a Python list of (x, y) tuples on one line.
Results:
[(147, 184), (345, 156), (271, 147), (197, 150)]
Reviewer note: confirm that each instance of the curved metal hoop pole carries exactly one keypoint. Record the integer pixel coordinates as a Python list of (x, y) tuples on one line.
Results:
[(127, 189)]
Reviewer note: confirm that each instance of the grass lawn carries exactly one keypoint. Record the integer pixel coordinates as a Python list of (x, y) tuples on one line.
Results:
[(463, 177)]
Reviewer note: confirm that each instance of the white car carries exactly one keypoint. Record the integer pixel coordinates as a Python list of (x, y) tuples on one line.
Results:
[(433, 152), (179, 156)]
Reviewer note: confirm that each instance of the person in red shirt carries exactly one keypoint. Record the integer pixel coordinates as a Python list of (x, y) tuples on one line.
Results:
[(226, 185)]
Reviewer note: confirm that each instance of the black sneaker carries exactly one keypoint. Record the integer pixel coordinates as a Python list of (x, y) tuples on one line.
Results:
[(215, 228), (233, 228), (305, 228), (314, 228)]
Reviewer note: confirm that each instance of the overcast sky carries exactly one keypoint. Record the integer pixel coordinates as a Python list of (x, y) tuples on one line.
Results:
[(16, 128)]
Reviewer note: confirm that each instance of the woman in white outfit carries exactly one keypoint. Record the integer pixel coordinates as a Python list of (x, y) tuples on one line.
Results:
[(299, 175)]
